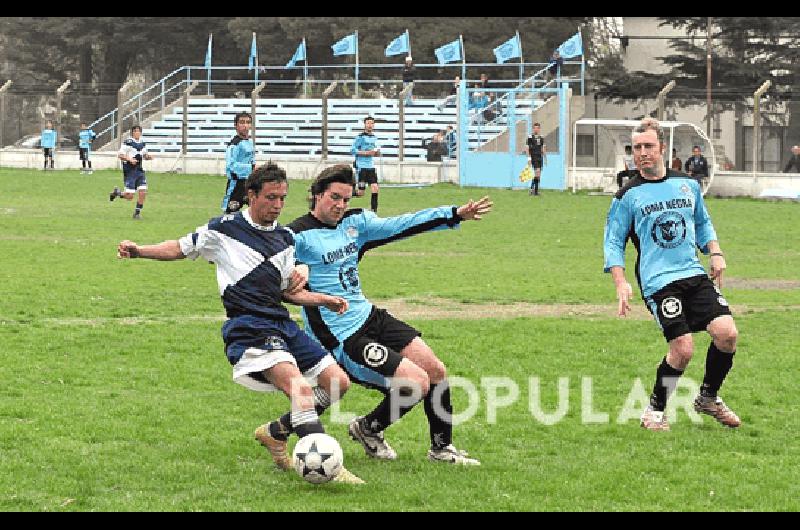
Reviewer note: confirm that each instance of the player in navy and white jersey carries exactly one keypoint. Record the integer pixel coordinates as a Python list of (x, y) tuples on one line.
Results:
[(255, 265), (239, 162), (85, 138), (376, 349), (133, 153), (365, 148), (663, 213)]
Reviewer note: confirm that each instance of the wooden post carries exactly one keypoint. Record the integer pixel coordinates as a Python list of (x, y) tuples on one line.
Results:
[(324, 128), (3, 91), (253, 100), (402, 120), (59, 94), (185, 121)]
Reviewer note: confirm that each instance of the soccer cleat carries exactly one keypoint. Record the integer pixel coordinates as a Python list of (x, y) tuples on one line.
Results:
[(346, 477), (277, 448), (374, 443), (717, 409), (114, 194), (654, 420), (137, 216), (452, 455)]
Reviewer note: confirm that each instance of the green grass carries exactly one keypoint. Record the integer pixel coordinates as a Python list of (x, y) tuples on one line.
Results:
[(116, 394)]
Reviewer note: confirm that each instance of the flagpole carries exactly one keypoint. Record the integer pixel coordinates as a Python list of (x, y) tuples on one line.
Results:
[(356, 64), (520, 58), (583, 62), (208, 78), (305, 68), (408, 40), (463, 58)]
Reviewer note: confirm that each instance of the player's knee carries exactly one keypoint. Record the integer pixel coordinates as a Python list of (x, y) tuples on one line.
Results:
[(680, 351), (726, 339), (437, 371)]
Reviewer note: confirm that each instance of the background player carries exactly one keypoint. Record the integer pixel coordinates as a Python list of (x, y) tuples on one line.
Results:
[(133, 153)]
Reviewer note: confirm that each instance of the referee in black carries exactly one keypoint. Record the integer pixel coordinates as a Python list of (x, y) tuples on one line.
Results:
[(537, 151)]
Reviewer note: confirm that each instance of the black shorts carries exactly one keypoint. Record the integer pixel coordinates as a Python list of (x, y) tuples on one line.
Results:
[(377, 344), (686, 306), (366, 176), (83, 153), (235, 193), (537, 162), (48, 152)]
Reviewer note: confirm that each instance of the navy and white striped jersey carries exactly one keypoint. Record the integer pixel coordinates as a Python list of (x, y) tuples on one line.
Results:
[(254, 263), (133, 149), (239, 158), (666, 219), (332, 254), (364, 142)]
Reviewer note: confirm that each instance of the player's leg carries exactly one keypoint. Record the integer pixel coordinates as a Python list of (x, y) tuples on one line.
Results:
[(362, 183), (45, 150), (141, 188), (374, 199), (438, 407), (236, 199)]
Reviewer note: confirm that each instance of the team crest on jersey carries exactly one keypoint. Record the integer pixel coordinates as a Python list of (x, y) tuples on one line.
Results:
[(669, 230), (671, 307), (685, 189), (275, 343), (375, 354), (352, 231), (348, 278)]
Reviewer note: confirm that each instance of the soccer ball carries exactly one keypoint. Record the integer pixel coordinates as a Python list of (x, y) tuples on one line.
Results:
[(317, 458)]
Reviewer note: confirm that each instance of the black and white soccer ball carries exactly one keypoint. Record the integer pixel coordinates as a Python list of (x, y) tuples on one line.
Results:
[(317, 458)]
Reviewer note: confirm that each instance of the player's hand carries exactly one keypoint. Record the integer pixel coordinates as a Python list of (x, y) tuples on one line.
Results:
[(624, 294), (133, 161), (127, 250), (337, 304), (298, 279), (717, 266), (474, 210)]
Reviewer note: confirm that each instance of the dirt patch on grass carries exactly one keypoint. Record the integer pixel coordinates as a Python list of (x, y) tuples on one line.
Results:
[(755, 283)]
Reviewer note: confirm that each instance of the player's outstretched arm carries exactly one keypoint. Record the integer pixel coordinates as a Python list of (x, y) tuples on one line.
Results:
[(298, 279), (474, 210), (165, 251), (624, 291), (337, 304)]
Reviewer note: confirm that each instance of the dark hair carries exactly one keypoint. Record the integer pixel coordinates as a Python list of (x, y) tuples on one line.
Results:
[(241, 115), (695, 147), (628, 148), (342, 173), (269, 172), (136, 127), (368, 118), (537, 124)]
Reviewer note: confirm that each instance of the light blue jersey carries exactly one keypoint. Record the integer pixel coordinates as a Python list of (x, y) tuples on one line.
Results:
[(667, 221), (85, 138), (364, 142), (49, 138), (332, 254), (239, 158)]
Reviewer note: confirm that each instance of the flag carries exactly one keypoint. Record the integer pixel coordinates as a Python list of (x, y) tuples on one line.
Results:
[(253, 61), (572, 47), (299, 55), (508, 50), (398, 45), (347, 46), (526, 174), (208, 51), (449, 52)]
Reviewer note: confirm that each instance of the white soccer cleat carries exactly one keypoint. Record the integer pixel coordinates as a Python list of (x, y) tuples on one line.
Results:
[(452, 455), (654, 420), (374, 443)]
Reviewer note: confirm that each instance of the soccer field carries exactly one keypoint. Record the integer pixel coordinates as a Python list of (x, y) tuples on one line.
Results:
[(117, 395)]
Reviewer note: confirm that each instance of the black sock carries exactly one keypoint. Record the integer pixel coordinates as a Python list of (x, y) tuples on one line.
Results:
[(139, 207), (279, 430), (90, 163), (306, 422), (661, 392), (441, 428), (718, 364), (374, 202), (52, 163), (380, 417), (536, 186)]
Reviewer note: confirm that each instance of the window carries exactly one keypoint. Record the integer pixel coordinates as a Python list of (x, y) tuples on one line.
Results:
[(584, 145)]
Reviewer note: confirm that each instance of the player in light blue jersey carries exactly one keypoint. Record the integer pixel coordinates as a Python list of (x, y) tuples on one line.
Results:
[(663, 213), (255, 265), (376, 349), (85, 138), (48, 141), (365, 148), (239, 162), (133, 153)]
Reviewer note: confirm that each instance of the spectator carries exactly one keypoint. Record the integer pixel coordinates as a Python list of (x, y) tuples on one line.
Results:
[(409, 71), (697, 165), (453, 95), (436, 147), (451, 141), (677, 164), (555, 64), (630, 166), (484, 81), (794, 161)]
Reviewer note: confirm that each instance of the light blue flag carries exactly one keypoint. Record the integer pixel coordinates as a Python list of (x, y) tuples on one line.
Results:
[(299, 55), (572, 47), (208, 52), (253, 61), (398, 45), (510, 49), (346, 46), (449, 52)]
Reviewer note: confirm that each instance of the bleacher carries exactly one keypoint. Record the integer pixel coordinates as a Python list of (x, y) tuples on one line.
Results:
[(291, 127)]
